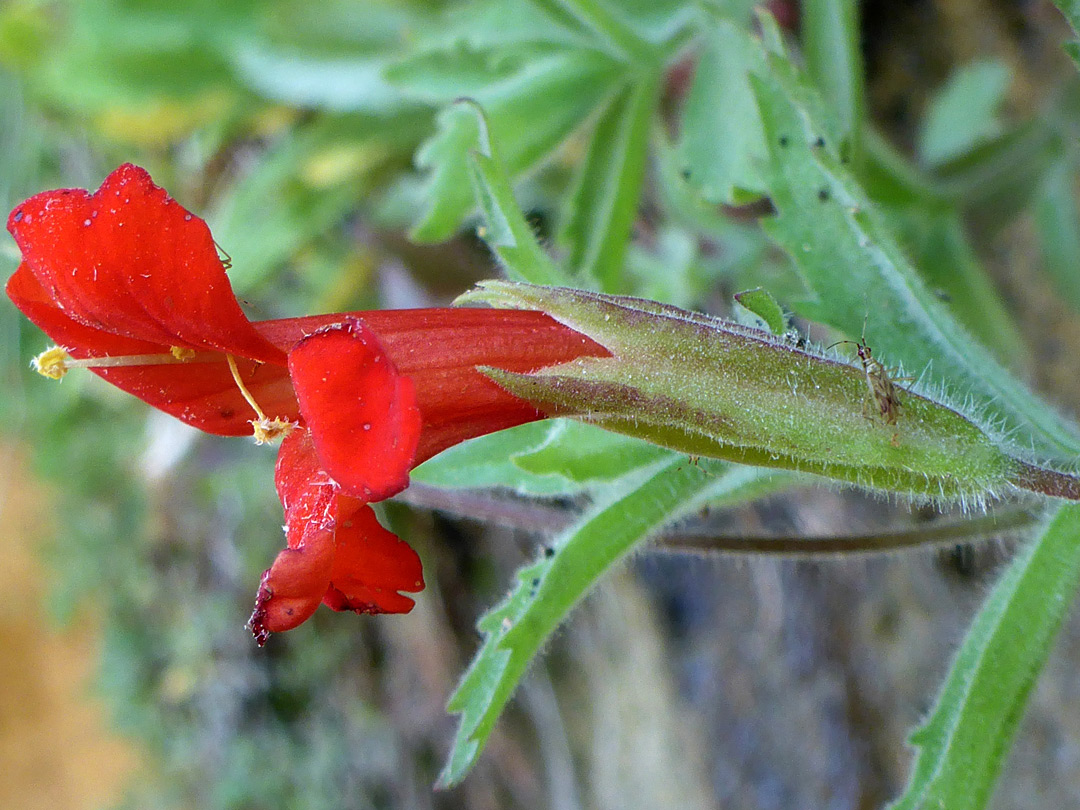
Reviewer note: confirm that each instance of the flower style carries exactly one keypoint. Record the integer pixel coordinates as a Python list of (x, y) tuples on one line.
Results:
[(130, 284)]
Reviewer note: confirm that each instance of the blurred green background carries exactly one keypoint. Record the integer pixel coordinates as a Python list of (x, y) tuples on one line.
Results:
[(298, 131)]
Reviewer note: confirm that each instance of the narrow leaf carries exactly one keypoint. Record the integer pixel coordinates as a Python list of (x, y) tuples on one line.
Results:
[(953, 272), (602, 209), (964, 112), (517, 629), (963, 744), (831, 41), (1057, 218), (506, 231), (1071, 10)]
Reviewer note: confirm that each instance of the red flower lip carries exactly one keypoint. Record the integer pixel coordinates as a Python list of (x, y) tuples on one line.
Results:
[(131, 285)]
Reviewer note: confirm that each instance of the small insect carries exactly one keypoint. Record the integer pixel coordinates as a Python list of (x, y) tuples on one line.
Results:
[(882, 387), (226, 259)]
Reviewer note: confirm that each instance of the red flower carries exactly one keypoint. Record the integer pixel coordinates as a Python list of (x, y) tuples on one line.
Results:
[(130, 284)]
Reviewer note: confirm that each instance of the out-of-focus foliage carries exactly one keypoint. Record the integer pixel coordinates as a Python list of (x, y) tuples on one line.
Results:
[(628, 147)]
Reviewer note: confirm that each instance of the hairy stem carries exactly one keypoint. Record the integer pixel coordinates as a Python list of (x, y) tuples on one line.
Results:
[(1047, 482)]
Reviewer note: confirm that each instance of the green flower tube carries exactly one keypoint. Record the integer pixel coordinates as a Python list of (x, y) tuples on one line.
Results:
[(708, 387)]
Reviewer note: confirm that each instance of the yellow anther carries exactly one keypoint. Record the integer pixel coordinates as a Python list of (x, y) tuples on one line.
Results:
[(52, 363), (181, 353), (269, 430), (265, 429)]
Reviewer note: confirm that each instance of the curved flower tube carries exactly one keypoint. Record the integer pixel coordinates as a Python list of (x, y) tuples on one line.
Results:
[(129, 283)]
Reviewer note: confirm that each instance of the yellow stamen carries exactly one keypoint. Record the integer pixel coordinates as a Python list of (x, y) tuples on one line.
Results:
[(52, 363), (265, 429)]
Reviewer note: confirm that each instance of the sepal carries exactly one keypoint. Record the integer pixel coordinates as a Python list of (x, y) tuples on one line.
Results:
[(709, 387)]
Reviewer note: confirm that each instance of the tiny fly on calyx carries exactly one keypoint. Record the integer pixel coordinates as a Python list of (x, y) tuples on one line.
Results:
[(883, 389)]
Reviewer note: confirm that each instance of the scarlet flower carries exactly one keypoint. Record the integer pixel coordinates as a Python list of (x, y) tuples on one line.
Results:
[(130, 284)]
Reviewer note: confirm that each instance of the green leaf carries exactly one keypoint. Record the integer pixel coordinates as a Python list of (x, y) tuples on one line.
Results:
[(529, 113), (631, 509), (335, 83), (604, 204), (1057, 218), (855, 266), (759, 310), (962, 746), (721, 142), (672, 269), (506, 230), (448, 192), (608, 27), (1071, 10), (831, 40), (964, 112), (995, 181), (951, 269), (586, 453), (490, 461), (505, 24)]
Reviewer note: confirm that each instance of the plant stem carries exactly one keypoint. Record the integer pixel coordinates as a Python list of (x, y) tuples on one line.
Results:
[(1047, 482), (482, 506), (944, 533)]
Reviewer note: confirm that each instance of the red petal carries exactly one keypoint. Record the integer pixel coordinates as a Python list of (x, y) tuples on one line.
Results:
[(131, 261), (371, 564), (292, 588), (202, 394), (361, 413), (337, 551)]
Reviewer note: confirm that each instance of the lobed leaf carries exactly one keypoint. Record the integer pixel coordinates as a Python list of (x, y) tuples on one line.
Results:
[(505, 230), (721, 141), (529, 113)]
